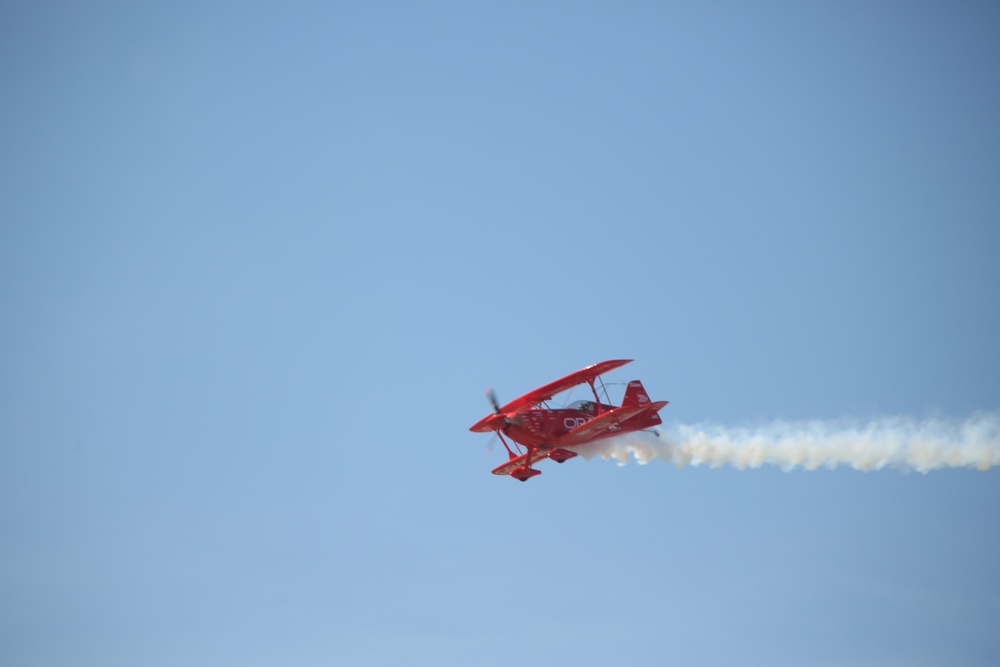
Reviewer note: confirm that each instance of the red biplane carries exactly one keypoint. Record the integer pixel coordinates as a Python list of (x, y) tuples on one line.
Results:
[(547, 432)]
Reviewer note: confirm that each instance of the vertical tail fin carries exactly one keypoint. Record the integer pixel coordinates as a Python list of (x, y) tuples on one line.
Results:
[(635, 395)]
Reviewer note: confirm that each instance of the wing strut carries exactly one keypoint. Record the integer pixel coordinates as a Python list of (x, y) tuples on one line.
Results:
[(506, 446)]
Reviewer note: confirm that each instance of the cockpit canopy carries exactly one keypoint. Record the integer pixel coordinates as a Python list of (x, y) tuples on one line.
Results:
[(585, 406)]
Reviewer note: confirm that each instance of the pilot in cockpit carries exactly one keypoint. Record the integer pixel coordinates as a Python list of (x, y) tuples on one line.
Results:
[(584, 406)]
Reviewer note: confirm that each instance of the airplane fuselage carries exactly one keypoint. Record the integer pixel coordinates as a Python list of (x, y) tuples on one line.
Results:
[(538, 428)]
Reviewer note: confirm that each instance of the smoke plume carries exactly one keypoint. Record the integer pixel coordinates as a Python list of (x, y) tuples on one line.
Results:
[(901, 443)]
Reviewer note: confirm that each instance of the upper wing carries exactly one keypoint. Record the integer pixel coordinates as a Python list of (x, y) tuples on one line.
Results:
[(545, 392)]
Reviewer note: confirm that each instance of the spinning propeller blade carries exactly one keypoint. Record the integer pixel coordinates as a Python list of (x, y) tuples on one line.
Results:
[(491, 396), (499, 421)]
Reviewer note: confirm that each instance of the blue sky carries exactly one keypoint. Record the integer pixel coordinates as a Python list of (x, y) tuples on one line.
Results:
[(259, 261)]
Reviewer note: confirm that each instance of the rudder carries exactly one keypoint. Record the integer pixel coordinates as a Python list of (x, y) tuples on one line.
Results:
[(635, 395)]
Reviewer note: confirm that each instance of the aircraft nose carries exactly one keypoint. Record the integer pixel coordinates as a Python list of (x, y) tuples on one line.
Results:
[(488, 423)]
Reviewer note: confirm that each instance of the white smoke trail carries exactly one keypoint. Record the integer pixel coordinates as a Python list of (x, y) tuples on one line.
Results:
[(899, 442)]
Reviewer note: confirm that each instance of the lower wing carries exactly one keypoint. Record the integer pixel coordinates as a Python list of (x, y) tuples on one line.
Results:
[(535, 455)]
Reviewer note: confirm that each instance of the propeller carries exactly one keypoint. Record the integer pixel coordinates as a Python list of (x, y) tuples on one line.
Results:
[(491, 396)]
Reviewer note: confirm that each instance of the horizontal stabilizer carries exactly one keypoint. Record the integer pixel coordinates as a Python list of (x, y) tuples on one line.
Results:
[(647, 417)]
